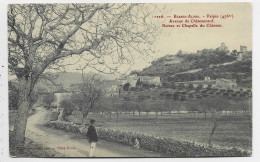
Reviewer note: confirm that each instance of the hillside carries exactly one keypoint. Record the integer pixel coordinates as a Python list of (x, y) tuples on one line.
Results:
[(172, 64), (189, 67)]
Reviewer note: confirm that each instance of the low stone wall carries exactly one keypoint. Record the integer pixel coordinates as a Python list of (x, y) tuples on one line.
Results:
[(168, 146)]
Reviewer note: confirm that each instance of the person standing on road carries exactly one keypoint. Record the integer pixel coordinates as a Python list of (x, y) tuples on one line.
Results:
[(92, 137)]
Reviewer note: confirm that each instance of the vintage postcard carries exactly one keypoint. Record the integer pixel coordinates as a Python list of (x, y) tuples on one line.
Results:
[(130, 80)]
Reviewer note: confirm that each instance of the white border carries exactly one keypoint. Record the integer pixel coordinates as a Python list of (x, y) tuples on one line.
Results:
[(4, 90)]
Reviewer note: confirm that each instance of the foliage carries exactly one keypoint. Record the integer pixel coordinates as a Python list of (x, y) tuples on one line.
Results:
[(139, 82), (179, 53), (67, 106), (192, 105), (126, 87), (54, 116), (215, 104), (48, 99)]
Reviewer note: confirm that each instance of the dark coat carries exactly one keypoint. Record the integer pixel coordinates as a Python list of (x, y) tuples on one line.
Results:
[(92, 134)]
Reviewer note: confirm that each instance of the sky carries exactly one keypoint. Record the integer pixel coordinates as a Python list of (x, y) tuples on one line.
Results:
[(234, 32)]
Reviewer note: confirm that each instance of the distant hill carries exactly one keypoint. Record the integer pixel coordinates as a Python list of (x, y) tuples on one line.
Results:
[(173, 64), (189, 67), (66, 79)]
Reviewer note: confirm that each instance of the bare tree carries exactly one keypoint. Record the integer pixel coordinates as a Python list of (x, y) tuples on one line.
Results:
[(111, 104), (85, 97), (215, 116), (40, 36), (214, 106), (239, 103), (178, 105), (192, 106)]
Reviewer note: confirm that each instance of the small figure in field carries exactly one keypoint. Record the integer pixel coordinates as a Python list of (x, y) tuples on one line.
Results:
[(137, 144), (92, 137)]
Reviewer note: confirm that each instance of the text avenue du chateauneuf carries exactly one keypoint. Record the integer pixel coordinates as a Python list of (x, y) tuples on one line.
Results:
[(209, 18)]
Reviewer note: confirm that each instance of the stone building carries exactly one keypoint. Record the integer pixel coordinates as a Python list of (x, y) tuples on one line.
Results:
[(226, 83), (207, 79), (150, 80), (243, 49), (132, 80), (223, 47)]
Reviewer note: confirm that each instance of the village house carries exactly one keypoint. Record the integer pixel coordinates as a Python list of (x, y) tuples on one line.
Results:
[(113, 90), (132, 80), (150, 80), (226, 83), (197, 83), (207, 79)]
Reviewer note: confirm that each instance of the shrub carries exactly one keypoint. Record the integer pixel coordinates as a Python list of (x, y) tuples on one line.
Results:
[(54, 116)]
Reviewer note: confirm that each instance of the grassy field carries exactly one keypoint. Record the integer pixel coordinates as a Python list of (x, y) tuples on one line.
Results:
[(232, 130)]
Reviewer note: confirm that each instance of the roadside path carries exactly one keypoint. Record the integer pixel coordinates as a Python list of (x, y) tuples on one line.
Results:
[(71, 145)]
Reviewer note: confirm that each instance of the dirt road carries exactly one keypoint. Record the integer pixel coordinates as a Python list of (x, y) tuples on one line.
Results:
[(72, 145)]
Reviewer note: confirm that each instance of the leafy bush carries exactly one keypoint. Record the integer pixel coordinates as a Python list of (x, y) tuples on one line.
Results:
[(54, 116)]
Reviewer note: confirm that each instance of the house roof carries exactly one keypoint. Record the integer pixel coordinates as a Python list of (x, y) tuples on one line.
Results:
[(199, 82), (147, 77), (228, 80), (202, 82)]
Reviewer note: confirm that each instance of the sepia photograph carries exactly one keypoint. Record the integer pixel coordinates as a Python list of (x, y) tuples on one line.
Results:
[(91, 80)]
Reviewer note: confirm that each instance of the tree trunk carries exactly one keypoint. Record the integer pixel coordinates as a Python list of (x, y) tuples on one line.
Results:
[(117, 116), (85, 115), (139, 111), (156, 114), (169, 112), (205, 114), (197, 124), (18, 135), (212, 132)]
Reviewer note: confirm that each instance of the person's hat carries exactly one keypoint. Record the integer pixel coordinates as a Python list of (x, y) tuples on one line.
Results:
[(92, 121)]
